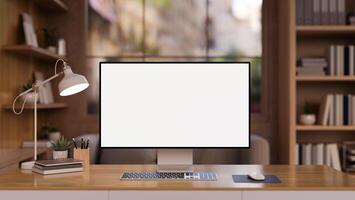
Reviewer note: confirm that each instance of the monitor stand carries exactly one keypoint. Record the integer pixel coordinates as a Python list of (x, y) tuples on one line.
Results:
[(175, 160)]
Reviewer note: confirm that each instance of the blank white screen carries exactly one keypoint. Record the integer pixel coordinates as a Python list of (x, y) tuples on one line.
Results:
[(174, 105)]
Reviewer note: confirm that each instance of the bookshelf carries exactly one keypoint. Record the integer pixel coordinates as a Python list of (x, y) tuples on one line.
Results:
[(299, 41), (36, 52), (57, 6), (39, 106)]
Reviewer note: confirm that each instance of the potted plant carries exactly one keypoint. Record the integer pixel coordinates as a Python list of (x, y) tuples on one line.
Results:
[(30, 97), (60, 148), (53, 134), (307, 117)]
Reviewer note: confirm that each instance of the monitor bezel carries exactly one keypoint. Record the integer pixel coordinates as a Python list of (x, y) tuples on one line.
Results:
[(185, 62)]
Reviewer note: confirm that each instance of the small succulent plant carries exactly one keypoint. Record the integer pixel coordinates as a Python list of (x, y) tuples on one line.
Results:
[(61, 145), (307, 108), (27, 86)]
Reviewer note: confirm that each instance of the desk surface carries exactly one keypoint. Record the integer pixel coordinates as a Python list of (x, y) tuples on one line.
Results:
[(106, 177)]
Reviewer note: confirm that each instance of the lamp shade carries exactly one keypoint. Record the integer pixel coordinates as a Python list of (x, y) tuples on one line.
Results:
[(72, 83)]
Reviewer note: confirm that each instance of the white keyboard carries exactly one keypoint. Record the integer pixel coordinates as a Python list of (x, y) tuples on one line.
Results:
[(169, 176)]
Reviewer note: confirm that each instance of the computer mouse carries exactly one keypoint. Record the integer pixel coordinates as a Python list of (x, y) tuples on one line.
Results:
[(256, 176)]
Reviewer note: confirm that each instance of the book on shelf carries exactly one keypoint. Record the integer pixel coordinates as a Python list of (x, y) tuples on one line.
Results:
[(341, 60), (320, 12), (318, 154), (47, 167), (45, 91), (337, 109), (311, 67), (40, 144)]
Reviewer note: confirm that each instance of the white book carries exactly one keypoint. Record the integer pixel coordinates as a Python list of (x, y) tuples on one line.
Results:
[(41, 90), (324, 110), (351, 60), (337, 60), (306, 154), (327, 155), (27, 33), (331, 110), (57, 171), (334, 156), (353, 110), (320, 154), (297, 156)]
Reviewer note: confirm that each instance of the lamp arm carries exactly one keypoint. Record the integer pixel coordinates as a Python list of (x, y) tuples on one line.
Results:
[(24, 102), (56, 63)]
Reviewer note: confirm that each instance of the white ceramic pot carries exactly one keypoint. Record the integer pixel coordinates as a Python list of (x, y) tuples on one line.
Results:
[(54, 136), (308, 119), (30, 97), (60, 154)]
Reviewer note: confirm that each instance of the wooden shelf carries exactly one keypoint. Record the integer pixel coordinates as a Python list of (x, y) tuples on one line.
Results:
[(32, 51), (325, 30), (325, 78), (40, 106), (52, 5), (324, 128)]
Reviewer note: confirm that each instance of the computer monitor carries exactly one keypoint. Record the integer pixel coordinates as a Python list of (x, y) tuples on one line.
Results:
[(174, 107)]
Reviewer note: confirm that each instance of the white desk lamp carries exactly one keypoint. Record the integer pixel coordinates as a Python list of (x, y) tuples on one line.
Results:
[(69, 85)]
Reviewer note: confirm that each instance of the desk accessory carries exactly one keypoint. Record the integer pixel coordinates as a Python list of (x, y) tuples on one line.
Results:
[(256, 176), (46, 167), (169, 176), (82, 153), (69, 85), (246, 179), (60, 148)]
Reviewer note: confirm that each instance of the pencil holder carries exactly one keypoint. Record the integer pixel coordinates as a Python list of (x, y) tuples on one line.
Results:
[(84, 155)]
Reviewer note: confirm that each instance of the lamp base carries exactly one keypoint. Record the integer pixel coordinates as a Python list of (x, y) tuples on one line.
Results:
[(27, 165)]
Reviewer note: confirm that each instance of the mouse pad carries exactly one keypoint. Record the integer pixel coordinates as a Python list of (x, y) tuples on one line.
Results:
[(246, 179)]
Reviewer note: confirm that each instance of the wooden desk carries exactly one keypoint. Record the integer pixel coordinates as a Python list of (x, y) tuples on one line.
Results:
[(102, 182)]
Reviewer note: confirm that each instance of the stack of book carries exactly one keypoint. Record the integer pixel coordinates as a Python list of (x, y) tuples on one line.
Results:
[(46, 167), (318, 154), (311, 67), (341, 60), (320, 12), (337, 109)]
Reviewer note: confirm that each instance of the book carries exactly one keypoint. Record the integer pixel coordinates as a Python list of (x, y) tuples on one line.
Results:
[(320, 154), (300, 12), (40, 144), (306, 154), (324, 12), (341, 12), (334, 156), (28, 30), (44, 91), (324, 111), (60, 162), (57, 171), (308, 10), (316, 12), (297, 155), (333, 16), (351, 60), (353, 110), (58, 167), (331, 111)]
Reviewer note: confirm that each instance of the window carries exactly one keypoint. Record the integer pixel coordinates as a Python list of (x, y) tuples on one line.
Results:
[(175, 30)]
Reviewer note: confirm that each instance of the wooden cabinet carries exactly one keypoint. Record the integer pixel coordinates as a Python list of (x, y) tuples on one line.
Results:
[(175, 195), (54, 195), (297, 195)]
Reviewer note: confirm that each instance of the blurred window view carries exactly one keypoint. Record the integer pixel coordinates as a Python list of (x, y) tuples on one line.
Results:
[(175, 30)]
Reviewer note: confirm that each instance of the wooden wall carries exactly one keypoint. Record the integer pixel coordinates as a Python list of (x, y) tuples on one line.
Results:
[(15, 70)]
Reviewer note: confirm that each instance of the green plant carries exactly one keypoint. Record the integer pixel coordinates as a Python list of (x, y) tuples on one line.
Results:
[(307, 108), (61, 145), (27, 86)]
